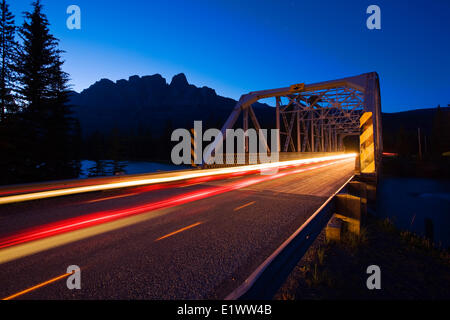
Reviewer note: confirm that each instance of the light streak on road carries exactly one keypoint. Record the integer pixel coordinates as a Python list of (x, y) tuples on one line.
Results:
[(165, 178), (93, 219)]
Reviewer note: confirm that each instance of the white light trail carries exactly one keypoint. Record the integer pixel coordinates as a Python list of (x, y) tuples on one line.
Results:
[(164, 178)]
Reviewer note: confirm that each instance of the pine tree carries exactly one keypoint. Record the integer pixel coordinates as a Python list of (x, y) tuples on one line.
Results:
[(10, 129), (43, 91), (8, 50)]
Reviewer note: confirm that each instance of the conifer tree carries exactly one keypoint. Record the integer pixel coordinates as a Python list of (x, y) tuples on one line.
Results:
[(8, 50), (43, 91)]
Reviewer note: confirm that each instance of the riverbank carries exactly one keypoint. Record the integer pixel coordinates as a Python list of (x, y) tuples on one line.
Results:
[(125, 167), (411, 267)]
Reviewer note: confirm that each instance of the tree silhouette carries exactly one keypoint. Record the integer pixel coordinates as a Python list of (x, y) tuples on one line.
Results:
[(440, 135), (11, 132), (8, 50), (43, 93)]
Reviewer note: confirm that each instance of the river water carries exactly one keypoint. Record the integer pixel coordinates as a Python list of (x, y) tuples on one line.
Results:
[(418, 205)]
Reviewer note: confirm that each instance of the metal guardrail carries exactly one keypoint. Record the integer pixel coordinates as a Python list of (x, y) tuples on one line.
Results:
[(239, 159), (265, 281)]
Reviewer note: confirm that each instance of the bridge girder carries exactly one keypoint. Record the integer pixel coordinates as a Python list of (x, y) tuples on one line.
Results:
[(316, 117)]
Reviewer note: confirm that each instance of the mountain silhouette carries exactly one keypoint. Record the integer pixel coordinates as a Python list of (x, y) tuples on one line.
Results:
[(150, 102)]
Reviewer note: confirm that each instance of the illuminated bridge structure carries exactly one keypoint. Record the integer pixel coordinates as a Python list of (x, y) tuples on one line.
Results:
[(219, 233), (317, 117)]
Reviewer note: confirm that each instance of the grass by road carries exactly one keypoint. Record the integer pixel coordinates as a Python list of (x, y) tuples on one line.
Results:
[(411, 267)]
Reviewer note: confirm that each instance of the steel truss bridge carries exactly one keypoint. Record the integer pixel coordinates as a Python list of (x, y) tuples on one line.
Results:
[(317, 117), (223, 233)]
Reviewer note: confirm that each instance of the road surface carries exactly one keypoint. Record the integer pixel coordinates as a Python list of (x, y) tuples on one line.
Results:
[(198, 239)]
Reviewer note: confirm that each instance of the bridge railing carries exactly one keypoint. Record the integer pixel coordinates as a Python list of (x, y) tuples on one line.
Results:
[(239, 159)]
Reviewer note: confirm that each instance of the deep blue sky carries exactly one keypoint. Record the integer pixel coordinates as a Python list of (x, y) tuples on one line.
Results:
[(237, 46)]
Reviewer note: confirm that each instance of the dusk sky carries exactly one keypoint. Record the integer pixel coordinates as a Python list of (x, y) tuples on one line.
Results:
[(237, 46)]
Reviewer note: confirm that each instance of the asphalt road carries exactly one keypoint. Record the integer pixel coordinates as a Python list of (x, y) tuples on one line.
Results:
[(197, 240)]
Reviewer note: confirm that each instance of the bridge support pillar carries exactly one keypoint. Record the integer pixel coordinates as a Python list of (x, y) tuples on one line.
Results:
[(360, 190), (333, 229), (348, 209), (370, 180)]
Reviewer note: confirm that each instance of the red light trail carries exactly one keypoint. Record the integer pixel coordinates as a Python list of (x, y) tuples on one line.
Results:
[(111, 215)]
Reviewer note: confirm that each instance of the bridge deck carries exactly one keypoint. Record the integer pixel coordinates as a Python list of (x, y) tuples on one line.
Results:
[(192, 250)]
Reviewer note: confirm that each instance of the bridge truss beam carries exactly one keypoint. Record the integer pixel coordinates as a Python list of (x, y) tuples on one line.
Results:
[(317, 117)]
